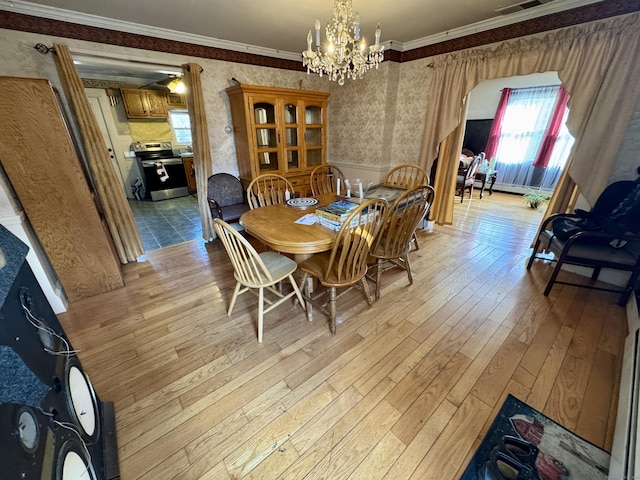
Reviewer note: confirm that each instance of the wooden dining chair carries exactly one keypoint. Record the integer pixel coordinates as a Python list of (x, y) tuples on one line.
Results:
[(268, 189), (256, 271), (407, 175), (467, 176), (393, 243), (324, 180), (345, 265)]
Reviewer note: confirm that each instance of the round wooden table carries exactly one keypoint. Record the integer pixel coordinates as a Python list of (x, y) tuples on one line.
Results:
[(275, 226)]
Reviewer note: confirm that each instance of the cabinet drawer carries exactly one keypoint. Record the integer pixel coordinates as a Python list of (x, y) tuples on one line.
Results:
[(299, 180)]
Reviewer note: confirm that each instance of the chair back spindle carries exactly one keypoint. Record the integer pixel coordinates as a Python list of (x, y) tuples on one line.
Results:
[(268, 189), (324, 180), (406, 176)]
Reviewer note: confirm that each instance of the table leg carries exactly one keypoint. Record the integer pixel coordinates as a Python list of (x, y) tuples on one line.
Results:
[(299, 258)]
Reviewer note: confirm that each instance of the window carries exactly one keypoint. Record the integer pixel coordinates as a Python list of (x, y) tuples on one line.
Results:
[(181, 126), (524, 128)]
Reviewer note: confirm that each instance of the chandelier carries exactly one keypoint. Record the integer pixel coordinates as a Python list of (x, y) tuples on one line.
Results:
[(346, 54)]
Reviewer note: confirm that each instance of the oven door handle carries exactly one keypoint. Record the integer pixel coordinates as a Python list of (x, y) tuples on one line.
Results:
[(164, 161)]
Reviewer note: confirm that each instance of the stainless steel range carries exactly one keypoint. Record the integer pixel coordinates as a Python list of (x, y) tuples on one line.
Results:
[(164, 174)]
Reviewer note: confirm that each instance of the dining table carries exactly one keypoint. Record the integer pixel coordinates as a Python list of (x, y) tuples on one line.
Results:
[(276, 227)]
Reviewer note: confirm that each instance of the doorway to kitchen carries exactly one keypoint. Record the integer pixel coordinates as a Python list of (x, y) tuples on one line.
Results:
[(163, 222)]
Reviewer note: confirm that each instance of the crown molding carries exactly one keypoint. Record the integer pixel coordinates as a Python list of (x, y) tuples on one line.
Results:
[(53, 13), (550, 8), (28, 17)]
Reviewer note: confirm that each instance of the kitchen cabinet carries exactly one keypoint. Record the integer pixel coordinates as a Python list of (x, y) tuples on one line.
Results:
[(145, 103), (176, 100), (190, 171), (279, 130)]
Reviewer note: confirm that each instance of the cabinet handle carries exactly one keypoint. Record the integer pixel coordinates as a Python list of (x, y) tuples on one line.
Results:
[(278, 137)]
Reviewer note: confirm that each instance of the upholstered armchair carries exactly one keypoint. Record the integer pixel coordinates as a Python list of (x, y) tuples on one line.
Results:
[(225, 197)]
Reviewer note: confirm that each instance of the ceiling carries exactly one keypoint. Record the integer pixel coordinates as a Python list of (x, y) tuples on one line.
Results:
[(279, 28)]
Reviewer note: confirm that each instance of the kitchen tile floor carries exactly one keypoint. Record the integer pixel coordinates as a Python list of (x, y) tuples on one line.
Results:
[(166, 222)]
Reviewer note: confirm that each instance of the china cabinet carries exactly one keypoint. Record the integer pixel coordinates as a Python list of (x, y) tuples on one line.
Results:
[(279, 130)]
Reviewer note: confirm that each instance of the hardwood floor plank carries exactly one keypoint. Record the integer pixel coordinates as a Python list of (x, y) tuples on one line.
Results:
[(322, 451), (379, 460), (548, 373), (449, 451), (345, 456), (423, 407), (463, 386), (430, 431), (405, 389), (240, 462), (496, 375), (594, 414), (305, 438)]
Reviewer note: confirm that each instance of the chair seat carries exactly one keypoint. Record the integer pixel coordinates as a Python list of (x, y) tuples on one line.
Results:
[(601, 254), (278, 265), (233, 212), (254, 270), (317, 265)]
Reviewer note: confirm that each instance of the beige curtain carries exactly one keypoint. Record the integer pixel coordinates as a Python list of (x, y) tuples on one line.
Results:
[(201, 147), (111, 197), (598, 65), (447, 171)]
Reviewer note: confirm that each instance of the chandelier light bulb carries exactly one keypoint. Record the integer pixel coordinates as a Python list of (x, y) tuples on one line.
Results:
[(346, 54)]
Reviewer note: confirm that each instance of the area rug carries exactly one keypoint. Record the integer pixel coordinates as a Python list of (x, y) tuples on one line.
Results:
[(522, 443)]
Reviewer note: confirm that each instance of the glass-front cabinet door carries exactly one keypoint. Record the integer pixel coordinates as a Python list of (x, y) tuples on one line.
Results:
[(291, 134), (314, 134), (266, 134)]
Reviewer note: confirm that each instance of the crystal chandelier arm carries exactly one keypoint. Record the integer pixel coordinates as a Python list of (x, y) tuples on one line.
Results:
[(346, 53)]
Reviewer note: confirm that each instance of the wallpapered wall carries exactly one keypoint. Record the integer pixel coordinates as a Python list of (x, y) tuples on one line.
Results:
[(362, 115)]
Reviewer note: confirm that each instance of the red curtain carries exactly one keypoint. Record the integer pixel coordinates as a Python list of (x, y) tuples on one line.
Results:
[(496, 127), (551, 135)]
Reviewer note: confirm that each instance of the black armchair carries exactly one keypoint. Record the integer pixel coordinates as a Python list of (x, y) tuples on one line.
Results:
[(610, 238), (225, 197)]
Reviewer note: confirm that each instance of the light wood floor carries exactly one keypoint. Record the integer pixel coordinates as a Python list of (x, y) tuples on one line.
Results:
[(404, 390)]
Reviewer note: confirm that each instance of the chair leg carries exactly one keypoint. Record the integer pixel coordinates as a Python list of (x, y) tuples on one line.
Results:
[(414, 240), (260, 313), (533, 254), (378, 277), (304, 286), (332, 308), (367, 293), (407, 267), (297, 290), (554, 275), (629, 289), (233, 298)]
